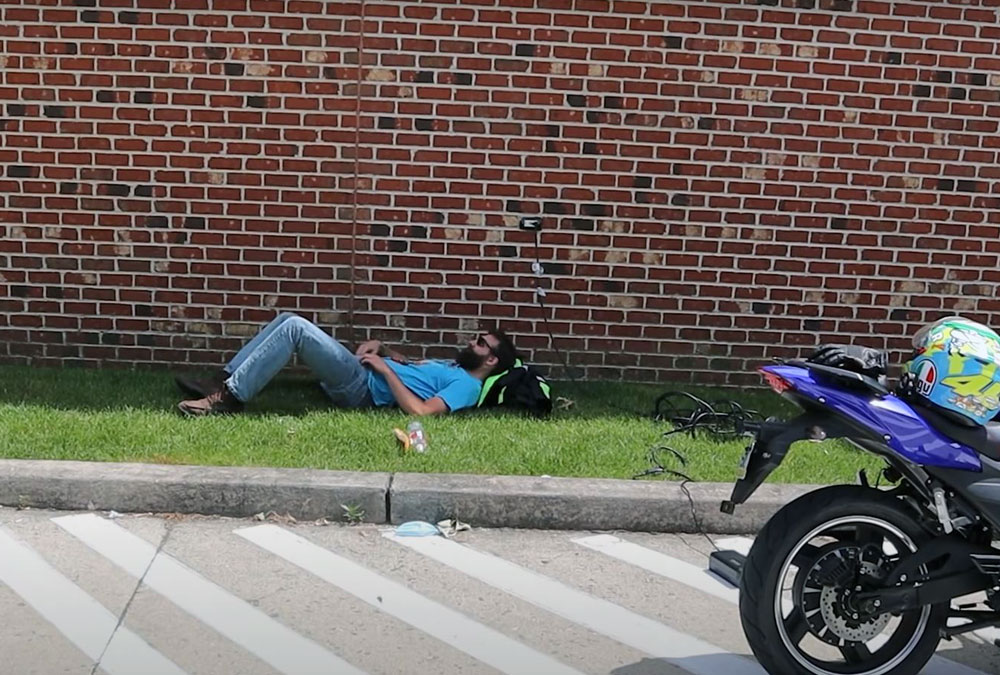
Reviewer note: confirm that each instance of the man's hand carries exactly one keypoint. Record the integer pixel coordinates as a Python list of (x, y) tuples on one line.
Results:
[(368, 347), (375, 362)]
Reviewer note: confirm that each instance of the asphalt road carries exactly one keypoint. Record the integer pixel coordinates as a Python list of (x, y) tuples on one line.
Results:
[(90, 593)]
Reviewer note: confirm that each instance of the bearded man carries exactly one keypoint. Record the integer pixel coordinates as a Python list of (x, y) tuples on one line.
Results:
[(372, 376)]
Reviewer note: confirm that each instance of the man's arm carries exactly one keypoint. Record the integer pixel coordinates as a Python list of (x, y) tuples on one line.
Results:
[(377, 347), (405, 398)]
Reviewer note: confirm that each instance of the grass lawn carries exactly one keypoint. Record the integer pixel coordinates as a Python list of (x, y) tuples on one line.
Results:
[(131, 416)]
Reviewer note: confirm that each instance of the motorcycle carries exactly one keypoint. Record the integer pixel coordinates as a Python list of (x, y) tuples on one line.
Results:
[(857, 579)]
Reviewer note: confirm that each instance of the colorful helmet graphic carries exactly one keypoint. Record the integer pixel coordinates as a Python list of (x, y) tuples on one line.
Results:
[(957, 369)]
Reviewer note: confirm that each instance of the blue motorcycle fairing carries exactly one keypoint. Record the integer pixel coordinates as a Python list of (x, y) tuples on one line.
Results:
[(909, 435)]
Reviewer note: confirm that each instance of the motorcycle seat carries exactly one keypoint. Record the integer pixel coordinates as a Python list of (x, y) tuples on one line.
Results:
[(983, 439)]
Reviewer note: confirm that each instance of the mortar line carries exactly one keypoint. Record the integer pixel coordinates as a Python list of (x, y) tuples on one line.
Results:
[(135, 591)]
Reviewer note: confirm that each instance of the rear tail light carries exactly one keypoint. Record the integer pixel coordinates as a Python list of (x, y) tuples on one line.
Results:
[(779, 384)]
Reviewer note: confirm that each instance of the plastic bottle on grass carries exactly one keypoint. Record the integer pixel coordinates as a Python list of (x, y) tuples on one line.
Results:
[(418, 439)]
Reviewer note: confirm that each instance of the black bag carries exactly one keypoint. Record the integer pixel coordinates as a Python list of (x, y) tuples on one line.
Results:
[(521, 388)]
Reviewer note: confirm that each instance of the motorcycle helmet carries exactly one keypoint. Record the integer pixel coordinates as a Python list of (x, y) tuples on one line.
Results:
[(956, 370)]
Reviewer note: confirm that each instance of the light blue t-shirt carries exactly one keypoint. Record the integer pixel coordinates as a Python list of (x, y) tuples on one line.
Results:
[(428, 379)]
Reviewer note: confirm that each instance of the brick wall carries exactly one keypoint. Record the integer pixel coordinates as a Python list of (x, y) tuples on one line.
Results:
[(720, 181)]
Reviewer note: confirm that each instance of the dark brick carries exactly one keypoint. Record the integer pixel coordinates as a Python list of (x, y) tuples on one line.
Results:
[(117, 190), (378, 230), (590, 148), (812, 324), (673, 42), (946, 184), (143, 190), (463, 79), (397, 245), (71, 48), (806, 4), (610, 286), (423, 124), (424, 76), (195, 222), (128, 17), (54, 292), (257, 101), (21, 171), (706, 123), (234, 69), (19, 291), (15, 109), (106, 96), (958, 93), (85, 3), (842, 5), (550, 146), (418, 231), (680, 200), (110, 338), (142, 310), (576, 100), (642, 182), (507, 251), (770, 3), (761, 308), (157, 221), (596, 210), (978, 79), (386, 122), (899, 314), (524, 49), (554, 207), (613, 102), (555, 268), (582, 224), (893, 58), (68, 188), (968, 186), (143, 97), (642, 197), (514, 206), (216, 53), (596, 116), (553, 130), (944, 76), (838, 223), (54, 111), (922, 90), (90, 16)]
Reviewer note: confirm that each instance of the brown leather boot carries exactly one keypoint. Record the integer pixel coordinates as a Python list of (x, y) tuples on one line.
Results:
[(220, 402), (201, 387)]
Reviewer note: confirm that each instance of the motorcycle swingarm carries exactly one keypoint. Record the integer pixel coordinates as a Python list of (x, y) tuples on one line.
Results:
[(934, 592), (770, 446)]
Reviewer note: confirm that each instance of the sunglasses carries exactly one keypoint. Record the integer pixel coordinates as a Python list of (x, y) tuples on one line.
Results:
[(481, 342)]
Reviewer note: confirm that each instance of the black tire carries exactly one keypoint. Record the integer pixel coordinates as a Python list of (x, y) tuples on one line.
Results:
[(769, 635)]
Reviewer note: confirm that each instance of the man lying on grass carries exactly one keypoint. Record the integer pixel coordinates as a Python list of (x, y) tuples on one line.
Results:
[(358, 380)]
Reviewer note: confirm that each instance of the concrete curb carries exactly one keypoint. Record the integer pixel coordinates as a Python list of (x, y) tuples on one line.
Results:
[(307, 494), (310, 494)]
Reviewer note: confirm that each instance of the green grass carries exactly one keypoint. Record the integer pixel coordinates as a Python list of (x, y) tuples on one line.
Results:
[(131, 416)]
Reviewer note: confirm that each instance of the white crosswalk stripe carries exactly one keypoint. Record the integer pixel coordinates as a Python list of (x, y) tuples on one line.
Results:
[(84, 621), (269, 640), (601, 616), (461, 632), (691, 575)]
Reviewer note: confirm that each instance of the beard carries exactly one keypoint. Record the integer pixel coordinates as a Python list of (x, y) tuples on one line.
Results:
[(468, 359)]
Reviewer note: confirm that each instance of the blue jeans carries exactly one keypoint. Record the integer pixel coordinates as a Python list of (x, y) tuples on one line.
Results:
[(341, 375)]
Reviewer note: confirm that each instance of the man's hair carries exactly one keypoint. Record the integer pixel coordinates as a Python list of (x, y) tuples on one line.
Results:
[(505, 351)]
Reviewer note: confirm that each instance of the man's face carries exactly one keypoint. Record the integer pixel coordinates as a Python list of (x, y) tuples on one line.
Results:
[(477, 352)]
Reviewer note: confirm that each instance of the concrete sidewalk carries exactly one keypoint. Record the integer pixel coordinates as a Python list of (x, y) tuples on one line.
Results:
[(311, 494)]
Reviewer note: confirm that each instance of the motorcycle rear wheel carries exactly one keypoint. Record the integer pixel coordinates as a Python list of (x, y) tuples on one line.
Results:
[(798, 581)]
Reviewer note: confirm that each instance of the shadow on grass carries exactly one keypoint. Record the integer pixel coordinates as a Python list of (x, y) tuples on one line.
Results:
[(88, 389)]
